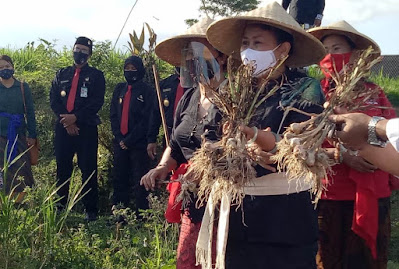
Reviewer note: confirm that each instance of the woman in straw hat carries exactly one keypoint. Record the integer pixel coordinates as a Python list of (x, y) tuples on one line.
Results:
[(354, 214), (201, 66), (277, 227)]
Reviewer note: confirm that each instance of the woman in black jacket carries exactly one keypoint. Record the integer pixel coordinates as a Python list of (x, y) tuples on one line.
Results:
[(131, 107)]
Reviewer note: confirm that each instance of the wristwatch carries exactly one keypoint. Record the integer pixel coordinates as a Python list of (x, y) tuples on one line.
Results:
[(373, 139)]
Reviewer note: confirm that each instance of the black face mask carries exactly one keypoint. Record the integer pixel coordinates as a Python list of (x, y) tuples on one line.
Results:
[(130, 76), (6, 73), (80, 57)]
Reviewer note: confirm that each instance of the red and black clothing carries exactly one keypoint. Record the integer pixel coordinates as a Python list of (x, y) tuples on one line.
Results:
[(187, 133), (132, 163), (355, 209), (170, 97), (89, 99), (185, 139)]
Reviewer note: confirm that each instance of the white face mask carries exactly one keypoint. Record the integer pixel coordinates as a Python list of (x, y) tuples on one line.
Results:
[(260, 60)]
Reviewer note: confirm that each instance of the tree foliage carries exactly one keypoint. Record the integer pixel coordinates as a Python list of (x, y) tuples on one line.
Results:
[(223, 8), (213, 8), (191, 22)]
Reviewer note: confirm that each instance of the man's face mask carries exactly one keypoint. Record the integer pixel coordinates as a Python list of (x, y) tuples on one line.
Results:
[(334, 63), (80, 57), (6, 73), (130, 76), (260, 60), (199, 65)]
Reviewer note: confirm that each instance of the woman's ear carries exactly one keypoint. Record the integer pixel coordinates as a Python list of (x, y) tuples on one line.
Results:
[(283, 50)]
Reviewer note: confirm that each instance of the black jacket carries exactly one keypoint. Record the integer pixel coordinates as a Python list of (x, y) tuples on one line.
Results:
[(168, 88), (85, 107), (140, 109), (304, 11)]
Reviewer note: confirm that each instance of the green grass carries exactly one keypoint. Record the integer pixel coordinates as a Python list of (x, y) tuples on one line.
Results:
[(390, 87)]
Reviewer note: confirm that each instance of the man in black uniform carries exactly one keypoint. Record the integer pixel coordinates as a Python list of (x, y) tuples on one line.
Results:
[(308, 13), (76, 95), (132, 105), (171, 92)]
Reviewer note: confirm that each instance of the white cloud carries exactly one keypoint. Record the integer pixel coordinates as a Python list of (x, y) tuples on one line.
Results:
[(359, 11)]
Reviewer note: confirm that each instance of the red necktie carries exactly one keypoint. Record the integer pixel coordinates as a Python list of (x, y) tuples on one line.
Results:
[(125, 110), (179, 94), (72, 92)]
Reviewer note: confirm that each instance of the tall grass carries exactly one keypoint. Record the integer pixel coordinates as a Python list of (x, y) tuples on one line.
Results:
[(30, 223)]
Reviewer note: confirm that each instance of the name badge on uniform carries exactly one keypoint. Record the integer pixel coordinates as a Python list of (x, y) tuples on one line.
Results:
[(83, 92)]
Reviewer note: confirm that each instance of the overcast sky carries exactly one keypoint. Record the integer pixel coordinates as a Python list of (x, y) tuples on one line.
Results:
[(23, 21)]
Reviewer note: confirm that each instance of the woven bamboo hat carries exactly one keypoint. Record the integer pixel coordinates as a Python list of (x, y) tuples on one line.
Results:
[(226, 34), (170, 49), (360, 40)]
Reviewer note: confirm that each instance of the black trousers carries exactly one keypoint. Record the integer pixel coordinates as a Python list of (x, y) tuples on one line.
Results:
[(280, 232), (129, 166), (85, 145)]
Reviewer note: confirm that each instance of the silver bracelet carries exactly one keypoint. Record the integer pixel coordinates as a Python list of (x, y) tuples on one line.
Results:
[(253, 139), (277, 138)]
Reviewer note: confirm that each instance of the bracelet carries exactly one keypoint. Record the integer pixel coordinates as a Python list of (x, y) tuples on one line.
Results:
[(319, 16), (253, 139), (338, 158), (162, 165), (277, 138)]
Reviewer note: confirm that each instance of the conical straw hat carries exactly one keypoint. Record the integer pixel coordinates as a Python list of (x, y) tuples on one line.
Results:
[(360, 40), (226, 34), (170, 49)]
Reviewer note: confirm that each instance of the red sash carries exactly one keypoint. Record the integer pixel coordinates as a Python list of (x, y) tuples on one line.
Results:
[(173, 211)]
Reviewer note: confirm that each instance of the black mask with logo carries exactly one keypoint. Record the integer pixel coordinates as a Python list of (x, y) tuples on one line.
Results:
[(80, 57), (131, 76)]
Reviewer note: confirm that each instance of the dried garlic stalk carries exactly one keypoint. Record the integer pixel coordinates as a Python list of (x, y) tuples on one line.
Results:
[(300, 152), (226, 166)]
